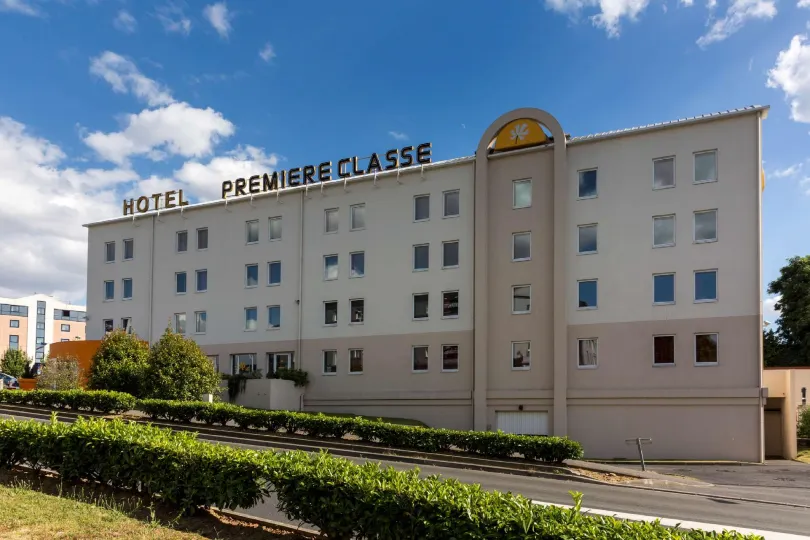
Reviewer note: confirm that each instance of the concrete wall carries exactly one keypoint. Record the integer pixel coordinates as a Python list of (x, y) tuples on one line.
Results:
[(271, 394), (6, 332)]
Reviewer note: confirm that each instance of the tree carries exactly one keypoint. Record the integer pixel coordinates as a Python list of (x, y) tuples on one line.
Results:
[(60, 373), (803, 429), (120, 364), (14, 362), (178, 369), (793, 285), (774, 352)]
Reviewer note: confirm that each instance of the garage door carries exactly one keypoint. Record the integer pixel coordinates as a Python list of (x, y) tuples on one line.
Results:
[(522, 423)]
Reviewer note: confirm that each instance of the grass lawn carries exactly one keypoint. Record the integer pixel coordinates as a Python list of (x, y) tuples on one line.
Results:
[(804, 456), (400, 421)]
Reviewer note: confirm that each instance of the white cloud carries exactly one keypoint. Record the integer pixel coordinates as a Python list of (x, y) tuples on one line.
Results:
[(125, 77), (739, 12), (787, 171), (19, 6), (611, 12), (711, 4), (769, 312), (219, 17), (267, 53), (791, 74), (205, 179), (173, 19), (125, 22), (398, 135), (687, 3), (803, 4)]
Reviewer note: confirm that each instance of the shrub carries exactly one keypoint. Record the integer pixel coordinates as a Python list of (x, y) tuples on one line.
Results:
[(178, 370), (804, 423), (119, 364), (14, 362), (297, 376), (81, 400), (60, 373)]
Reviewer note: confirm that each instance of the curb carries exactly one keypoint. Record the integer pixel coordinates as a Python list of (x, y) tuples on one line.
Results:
[(269, 522)]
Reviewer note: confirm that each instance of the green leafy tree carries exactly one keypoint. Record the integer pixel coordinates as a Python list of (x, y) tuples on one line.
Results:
[(774, 352), (178, 369), (14, 362), (120, 364), (793, 285), (804, 423), (60, 373)]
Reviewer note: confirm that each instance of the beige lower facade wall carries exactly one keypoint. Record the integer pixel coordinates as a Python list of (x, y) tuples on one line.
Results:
[(433, 415)]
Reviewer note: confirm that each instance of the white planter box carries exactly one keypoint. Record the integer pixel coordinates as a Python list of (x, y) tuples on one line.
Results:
[(267, 394)]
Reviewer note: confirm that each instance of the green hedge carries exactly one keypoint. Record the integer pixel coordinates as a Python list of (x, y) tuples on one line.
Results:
[(102, 401), (341, 498)]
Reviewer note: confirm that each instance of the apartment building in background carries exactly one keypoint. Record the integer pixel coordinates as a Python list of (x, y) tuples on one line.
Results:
[(33, 322), (603, 287)]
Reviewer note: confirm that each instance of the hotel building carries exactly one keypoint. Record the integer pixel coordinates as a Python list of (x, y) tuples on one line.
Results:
[(603, 287), (31, 323)]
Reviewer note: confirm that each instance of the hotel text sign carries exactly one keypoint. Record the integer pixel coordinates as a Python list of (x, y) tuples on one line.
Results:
[(309, 174)]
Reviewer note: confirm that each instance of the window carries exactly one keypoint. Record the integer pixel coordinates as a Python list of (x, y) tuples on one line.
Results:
[(64, 328), (705, 349), (356, 361), (251, 275), (129, 249), (202, 280), (273, 316), (706, 286), (40, 326), (13, 342), (329, 362), (587, 239), (450, 254), (587, 294), (251, 314), (109, 252), (126, 324), (202, 238), (243, 363), (14, 323), (450, 305), (127, 286), (274, 273), (358, 217), (522, 246), (330, 267), (706, 226), (330, 313), (521, 299), (663, 289), (180, 283), (421, 257), (587, 184), (451, 204), (282, 360), (275, 228), (252, 231), (449, 357), (663, 231), (706, 167), (200, 322), (663, 350), (214, 358), (521, 194), (357, 262), (63, 340), (357, 308), (664, 173), (109, 290), (331, 220), (182, 241), (420, 306), (108, 325), (180, 323), (420, 359), (586, 353), (521, 355), (421, 208)]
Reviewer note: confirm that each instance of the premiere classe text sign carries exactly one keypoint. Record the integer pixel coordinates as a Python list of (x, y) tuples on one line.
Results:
[(309, 174)]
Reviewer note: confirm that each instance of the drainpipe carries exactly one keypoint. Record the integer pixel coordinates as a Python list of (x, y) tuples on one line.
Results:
[(299, 346), (151, 280)]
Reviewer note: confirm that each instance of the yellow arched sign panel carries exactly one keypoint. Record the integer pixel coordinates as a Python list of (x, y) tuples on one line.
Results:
[(520, 133)]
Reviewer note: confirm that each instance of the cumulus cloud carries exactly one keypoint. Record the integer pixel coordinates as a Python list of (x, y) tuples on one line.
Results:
[(398, 135), (125, 22), (611, 12), (219, 17), (22, 7), (739, 12), (803, 4), (124, 77), (267, 52), (205, 179), (791, 74), (787, 172), (769, 312), (173, 19)]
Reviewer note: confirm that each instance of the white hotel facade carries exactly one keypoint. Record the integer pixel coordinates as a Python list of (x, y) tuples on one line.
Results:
[(604, 287)]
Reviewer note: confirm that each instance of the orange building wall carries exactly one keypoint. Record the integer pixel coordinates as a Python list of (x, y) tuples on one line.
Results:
[(83, 351), (6, 331)]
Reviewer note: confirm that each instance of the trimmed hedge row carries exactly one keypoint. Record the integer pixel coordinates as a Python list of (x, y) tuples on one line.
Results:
[(343, 499), (102, 401)]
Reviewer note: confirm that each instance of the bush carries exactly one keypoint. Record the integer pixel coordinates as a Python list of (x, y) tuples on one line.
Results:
[(120, 364), (343, 499), (80, 400), (804, 424), (14, 362), (60, 373), (297, 376), (178, 370)]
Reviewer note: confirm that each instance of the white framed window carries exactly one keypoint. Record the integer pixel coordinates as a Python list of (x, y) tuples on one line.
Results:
[(331, 220), (419, 358), (214, 358), (663, 350), (180, 323), (251, 276), (420, 306), (202, 238), (109, 252), (421, 257), (521, 299), (521, 355), (126, 285), (587, 292), (357, 217), (274, 273), (664, 231), (705, 167), (521, 246), (243, 363), (280, 360), (355, 361), (330, 362), (200, 322), (357, 264), (252, 231), (180, 283), (108, 326), (357, 311), (202, 280), (588, 236), (450, 254), (109, 290), (521, 193), (330, 313), (705, 229), (181, 241), (451, 203), (586, 353), (449, 358), (421, 208), (706, 347), (587, 184), (330, 267), (274, 228), (664, 173), (450, 305), (273, 317), (129, 249), (705, 286), (251, 319), (663, 289)]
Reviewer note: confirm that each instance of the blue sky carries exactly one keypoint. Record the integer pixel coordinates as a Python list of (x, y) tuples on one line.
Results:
[(104, 98)]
